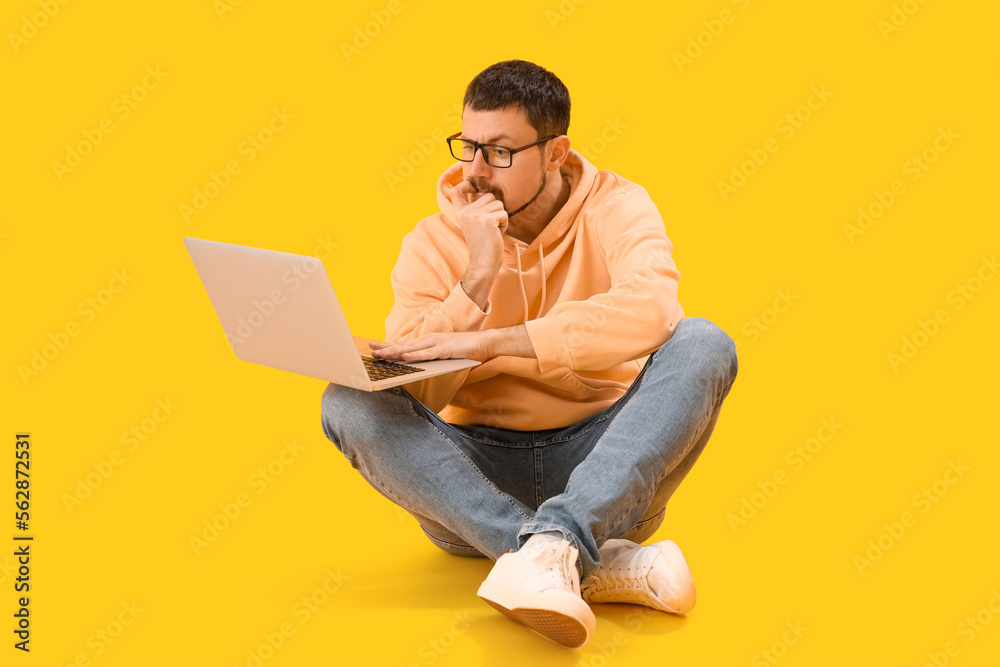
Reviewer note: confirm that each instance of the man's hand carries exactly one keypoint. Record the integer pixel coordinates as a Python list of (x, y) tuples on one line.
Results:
[(483, 222), (459, 345), (478, 345)]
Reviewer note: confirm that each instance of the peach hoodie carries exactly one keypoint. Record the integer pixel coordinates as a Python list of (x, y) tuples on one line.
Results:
[(596, 290)]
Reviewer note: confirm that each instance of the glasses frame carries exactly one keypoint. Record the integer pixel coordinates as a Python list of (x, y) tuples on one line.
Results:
[(480, 146)]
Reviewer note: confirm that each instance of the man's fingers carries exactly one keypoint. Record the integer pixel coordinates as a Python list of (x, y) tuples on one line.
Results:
[(398, 350), (463, 195), (420, 355), (419, 351), (431, 346)]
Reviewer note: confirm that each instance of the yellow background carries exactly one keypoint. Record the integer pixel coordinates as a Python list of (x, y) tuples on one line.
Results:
[(396, 600)]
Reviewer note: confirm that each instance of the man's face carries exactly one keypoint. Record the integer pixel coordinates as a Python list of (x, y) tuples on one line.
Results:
[(521, 182)]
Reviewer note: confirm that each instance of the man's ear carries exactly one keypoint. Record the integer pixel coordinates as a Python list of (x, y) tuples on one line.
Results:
[(560, 151)]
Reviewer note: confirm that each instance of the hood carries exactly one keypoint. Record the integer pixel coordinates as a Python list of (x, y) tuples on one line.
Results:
[(577, 171)]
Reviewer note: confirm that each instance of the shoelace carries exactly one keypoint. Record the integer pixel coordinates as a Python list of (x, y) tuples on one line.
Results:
[(556, 561), (623, 575)]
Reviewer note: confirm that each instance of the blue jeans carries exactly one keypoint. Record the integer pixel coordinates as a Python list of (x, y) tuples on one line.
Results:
[(480, 490)]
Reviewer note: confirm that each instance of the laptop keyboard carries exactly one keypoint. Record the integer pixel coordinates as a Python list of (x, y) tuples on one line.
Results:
[(380, 369)]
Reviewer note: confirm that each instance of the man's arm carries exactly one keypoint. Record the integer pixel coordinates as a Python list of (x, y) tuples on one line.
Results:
[(477, 284), (634, 318), (479, 345), (637, 314), (428, 304)]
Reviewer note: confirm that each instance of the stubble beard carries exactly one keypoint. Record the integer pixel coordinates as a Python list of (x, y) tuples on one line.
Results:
[(482, 185)]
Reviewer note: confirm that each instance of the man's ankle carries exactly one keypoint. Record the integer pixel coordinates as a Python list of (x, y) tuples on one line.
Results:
[(539, 540)]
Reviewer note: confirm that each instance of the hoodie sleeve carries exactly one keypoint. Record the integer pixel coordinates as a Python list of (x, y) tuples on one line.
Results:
[(640, 311), (429, 298)]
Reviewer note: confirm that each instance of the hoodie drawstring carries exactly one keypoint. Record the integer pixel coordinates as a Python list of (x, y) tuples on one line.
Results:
[(520, 280)]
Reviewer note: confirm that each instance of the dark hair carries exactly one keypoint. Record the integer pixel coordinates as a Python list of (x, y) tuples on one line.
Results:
[(539, 92)]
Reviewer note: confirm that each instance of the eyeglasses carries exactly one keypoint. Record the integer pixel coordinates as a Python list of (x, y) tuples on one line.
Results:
[(464, 150)]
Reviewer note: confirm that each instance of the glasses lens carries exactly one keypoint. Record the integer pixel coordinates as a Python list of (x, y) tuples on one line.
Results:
[(461, 149), (498, 156)]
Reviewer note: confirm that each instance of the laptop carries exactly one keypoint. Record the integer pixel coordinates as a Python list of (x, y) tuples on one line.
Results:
[(279, 310)]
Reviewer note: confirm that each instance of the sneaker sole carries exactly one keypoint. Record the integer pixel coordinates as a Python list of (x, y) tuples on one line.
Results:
[(555, 618)]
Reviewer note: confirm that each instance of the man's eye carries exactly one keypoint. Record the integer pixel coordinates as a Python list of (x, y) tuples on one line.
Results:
[(499, 152)]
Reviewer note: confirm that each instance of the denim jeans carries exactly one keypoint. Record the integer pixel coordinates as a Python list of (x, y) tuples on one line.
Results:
[(480, 490)]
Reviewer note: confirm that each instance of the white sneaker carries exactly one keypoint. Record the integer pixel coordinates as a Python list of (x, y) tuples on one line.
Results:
[(656, 576), (540, 588)]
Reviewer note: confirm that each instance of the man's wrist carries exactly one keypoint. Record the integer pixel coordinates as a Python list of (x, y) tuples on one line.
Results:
[(508, 341), (490, 342), (481, 271), (477, 284)]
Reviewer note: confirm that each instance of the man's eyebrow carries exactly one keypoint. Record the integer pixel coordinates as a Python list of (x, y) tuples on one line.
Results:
[(495, 138)]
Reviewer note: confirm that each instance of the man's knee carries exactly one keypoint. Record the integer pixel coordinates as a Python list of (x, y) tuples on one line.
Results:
[(343, 406), (331, 408), (646, 526), (335, 401), (453, 545), (711, 343)]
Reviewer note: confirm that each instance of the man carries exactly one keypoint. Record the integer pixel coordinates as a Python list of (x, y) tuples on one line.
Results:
[(556, 456)]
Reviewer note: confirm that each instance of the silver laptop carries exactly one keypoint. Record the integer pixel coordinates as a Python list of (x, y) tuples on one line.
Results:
[(279, 310)]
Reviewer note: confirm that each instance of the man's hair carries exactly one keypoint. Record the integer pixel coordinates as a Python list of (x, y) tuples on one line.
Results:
[(540, 94)]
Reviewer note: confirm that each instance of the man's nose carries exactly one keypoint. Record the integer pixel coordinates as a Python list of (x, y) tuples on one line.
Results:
[(478, 166)]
